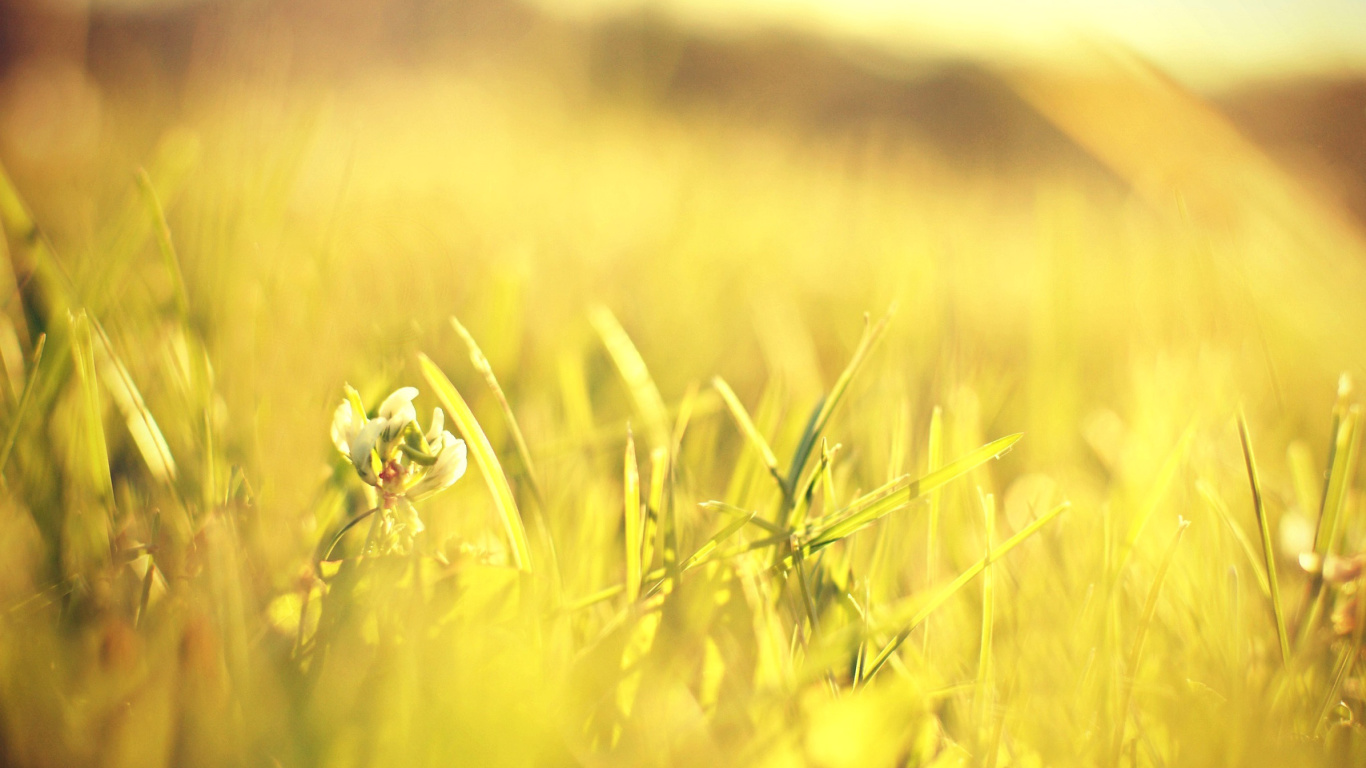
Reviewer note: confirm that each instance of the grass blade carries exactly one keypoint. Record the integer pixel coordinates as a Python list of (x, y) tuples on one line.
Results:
[(644, 394), (97, 452), (871, 335), (484, 456), (751, 432), (936, 457), (890, 500), (481, 364), (25, 400), (988, 597), (939, 597), (1253, 559), (164, 245), (142, 425), (1135, 655), (715, 541), (1268, 551), (631, 493)]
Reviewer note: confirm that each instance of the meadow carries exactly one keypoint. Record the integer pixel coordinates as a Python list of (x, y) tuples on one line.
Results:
[(788, 445)]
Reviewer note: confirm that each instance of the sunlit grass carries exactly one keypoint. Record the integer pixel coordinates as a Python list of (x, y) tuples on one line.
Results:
[(720, 509)]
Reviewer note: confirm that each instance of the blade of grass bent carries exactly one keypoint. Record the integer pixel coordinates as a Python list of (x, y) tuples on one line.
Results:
[(484, 456), (481, 364), (644, 394), (751, 432)]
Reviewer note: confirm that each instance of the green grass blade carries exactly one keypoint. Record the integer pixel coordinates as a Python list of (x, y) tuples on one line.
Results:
[(889, 500), (922, 610), (25, 399), (1253, 558), (983, 691), (1338, 441), (871, 336), (97, 451), (1268, 551), (1136, 654), (715, 541), (147, 436), (935, 458), (644, 394), (484, 456), (481, 364), (1339, 481), (631, 493), (164, 245), (751, 432), (752, 517)]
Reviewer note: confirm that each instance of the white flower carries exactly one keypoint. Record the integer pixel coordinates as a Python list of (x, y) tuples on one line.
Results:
[(391, 453)]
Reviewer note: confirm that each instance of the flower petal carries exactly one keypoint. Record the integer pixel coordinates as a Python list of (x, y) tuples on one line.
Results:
[(344, 427), (364, 443), (450, 466), (435, 430), (397, 413)]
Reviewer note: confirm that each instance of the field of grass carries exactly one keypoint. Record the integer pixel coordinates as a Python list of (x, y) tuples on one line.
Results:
[(805, 448)]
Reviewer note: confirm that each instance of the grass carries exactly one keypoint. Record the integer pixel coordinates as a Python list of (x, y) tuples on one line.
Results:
[(717, 520)]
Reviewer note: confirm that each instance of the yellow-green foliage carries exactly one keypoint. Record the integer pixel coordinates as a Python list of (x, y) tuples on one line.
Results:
[(765, 582)]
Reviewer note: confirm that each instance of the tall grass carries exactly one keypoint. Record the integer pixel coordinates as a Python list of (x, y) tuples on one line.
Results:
[(712, 518)]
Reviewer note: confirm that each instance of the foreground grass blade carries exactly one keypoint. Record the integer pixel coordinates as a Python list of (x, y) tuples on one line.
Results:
[(1340, 438), (142, 425), (631, 492), (24, 400), (1135, 655), (988, 614), (1268, 552), (871, 336), (644, 394), (936, 457), (484, 456), (164, 244), (83, 352), (481, 364), (1341, 462), (893, 499), (1253, 558), (939, 597), (751, 432), (715, 541)]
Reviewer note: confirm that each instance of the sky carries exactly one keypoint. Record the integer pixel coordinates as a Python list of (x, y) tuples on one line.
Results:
[(1212, 43)]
